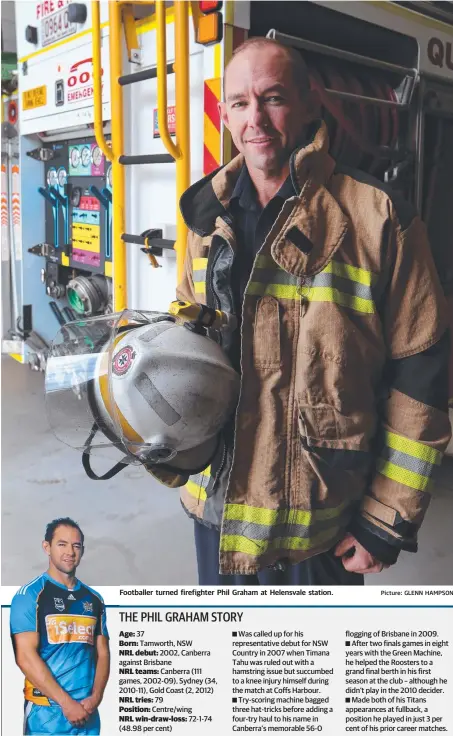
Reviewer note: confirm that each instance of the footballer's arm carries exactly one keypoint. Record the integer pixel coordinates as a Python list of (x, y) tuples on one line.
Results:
[(36, 671), (101, 676)]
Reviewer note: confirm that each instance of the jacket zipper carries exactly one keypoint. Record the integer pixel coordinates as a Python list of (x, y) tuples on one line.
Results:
[(222, 463), (217, 303), (211, 280), (218, 306)]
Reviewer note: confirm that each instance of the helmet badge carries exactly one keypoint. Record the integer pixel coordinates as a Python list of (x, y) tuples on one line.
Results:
[(123, 360)]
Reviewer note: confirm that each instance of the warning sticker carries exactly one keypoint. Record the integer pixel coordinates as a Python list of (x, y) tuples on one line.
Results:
[(86, 237), (36, 97), (85, 217), (171, 121)]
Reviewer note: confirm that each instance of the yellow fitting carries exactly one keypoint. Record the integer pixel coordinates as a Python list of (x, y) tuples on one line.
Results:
[(173, 150), (97, 82), (182, 59), (118, 173), (153, 260), (130, 31)]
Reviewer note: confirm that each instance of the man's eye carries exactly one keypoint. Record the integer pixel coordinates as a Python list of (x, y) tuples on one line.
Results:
[(240, 103), (275, 99)]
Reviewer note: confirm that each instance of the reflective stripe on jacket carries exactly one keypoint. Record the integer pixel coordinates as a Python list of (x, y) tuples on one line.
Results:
[(343, 284)]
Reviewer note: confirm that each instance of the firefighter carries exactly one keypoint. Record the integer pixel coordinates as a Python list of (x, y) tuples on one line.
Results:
[(342, 346)]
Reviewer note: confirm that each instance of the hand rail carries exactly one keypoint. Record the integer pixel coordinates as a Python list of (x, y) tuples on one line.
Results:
[(180, 151), (118, 173), (161, 42), (196, 14), (182, 61), (97, 82)]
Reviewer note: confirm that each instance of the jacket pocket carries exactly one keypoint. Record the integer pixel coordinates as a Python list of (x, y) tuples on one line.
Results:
[(266, 339), (338, 440)]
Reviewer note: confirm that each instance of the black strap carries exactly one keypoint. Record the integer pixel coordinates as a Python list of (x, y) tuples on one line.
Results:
[(87, 463), (91, 474)]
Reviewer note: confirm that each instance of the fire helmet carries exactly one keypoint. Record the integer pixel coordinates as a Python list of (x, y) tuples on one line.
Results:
[(143, 383)]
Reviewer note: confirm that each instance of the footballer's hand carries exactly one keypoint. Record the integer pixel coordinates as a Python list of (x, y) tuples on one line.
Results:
[(75, 712), (91, 703), (356, 558)]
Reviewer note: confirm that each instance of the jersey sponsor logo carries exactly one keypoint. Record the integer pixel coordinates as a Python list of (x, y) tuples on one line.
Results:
[(71, 597), (59, 604), (70, 629), (87, 607)]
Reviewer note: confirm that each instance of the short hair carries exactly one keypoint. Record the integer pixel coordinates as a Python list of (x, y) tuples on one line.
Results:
[(298, 65), (53, 525)]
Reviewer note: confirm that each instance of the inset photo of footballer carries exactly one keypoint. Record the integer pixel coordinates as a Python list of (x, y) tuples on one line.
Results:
[(60, 640)]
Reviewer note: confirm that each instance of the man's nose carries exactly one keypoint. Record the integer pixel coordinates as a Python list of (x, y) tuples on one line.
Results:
[(257, 115)]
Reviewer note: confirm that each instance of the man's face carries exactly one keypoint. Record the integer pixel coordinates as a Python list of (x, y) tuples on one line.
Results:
[(264, 109), (65, 550)]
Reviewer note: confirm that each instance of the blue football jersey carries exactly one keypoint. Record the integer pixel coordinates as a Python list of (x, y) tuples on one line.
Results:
[(68, 622)]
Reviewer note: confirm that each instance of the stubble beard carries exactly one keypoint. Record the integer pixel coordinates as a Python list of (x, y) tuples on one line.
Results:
[(270, 165), (65, 571)]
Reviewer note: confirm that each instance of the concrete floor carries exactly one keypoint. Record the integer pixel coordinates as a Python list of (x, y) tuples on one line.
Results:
[(136, 531)]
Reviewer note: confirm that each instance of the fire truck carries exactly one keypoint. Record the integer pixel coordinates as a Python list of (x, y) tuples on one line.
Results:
[(116, 114)]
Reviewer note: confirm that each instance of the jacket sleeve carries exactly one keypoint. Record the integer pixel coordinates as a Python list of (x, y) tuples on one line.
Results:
[(185, 291), (414, 429)]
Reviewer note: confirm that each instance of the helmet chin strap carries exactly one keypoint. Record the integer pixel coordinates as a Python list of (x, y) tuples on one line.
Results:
[(86, 461)]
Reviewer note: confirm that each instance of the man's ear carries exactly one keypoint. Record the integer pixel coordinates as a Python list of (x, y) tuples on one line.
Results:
[(46, 547), (223, 112), (82, 551)]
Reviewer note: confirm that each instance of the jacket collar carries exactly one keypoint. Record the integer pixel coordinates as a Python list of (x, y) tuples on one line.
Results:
[(244, 190), (311, 225)]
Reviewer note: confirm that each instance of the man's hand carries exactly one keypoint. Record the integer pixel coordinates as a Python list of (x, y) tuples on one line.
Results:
[(91, 703), (75, 712), (356, 558)]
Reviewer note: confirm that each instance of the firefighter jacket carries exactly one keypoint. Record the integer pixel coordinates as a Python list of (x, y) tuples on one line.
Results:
[(342, 416)]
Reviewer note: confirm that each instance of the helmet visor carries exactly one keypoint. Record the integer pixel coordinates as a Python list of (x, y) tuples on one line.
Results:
[(77, 381)]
